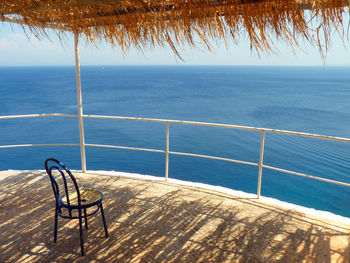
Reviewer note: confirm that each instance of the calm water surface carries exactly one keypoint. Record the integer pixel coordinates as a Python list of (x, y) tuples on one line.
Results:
[(306, 99)]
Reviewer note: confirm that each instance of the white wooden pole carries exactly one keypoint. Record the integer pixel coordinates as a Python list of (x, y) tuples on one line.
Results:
[(80, 104), (261, 162)]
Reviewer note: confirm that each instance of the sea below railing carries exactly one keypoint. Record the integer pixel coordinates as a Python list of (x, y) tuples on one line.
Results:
[(167, 151)]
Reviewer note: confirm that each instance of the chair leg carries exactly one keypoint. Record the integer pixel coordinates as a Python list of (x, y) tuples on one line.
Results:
[(56, 225), (86, 221), (104, 220), (81, 233)]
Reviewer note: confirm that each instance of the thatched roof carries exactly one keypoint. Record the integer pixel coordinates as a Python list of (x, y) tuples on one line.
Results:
[(145, 23)]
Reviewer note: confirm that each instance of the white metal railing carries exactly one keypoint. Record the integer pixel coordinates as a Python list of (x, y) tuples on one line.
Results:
[(167, 151)]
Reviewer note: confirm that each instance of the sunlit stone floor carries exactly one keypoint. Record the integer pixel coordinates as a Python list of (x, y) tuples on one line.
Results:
[(153, 221)]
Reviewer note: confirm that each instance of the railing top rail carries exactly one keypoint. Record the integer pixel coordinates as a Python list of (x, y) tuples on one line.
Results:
[(39, 145), (304, 134), (37, 115)]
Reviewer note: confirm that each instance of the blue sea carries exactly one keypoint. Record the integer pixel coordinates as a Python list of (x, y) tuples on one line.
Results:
[(305, 99)]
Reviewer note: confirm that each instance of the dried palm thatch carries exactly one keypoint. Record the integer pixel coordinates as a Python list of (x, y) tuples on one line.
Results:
[(146, 23)]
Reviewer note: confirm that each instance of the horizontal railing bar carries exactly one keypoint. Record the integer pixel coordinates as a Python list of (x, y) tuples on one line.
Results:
[(185, 154), (306, 175), (174, 121), (334, 138), (125, 148), (38, 115), (214, 157), (304, 134), (311, 135), (38, 145)]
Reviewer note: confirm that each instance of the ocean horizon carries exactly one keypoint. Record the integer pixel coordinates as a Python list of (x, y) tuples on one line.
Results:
[(304, 99)]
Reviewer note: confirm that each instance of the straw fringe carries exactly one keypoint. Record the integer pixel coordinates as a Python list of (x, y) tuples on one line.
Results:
[(145, 24)]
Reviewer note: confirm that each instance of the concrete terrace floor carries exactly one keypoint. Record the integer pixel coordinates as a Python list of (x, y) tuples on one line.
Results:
[(153, 221)]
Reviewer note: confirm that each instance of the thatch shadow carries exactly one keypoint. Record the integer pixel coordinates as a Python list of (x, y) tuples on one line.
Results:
[(157, 222)]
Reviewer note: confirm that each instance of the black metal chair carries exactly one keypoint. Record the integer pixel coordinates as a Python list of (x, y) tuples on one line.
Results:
[(76, 201)]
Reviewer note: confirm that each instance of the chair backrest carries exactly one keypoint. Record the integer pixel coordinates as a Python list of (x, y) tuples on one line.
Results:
[(52, 165)]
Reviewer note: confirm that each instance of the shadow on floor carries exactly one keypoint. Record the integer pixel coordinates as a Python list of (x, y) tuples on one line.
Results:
[(157, 222)]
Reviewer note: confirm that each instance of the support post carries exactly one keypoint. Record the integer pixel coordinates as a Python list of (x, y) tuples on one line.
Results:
[(80, 104), (261, 162), (167, 153)]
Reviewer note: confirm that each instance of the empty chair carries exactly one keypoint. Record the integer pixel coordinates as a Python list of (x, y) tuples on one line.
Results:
[(73, 203)]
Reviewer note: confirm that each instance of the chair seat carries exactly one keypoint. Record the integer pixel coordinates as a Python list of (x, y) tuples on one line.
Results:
[(89, 197)]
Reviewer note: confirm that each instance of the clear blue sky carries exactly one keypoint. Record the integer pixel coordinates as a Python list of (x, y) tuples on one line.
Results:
[(17, 50)]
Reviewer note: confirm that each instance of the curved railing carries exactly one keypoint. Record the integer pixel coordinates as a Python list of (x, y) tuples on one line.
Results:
[(167, 152)]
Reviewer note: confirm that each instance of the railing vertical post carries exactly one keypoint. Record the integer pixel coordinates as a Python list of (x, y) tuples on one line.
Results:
[(261, 162), (80, 104), (167, 153)]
